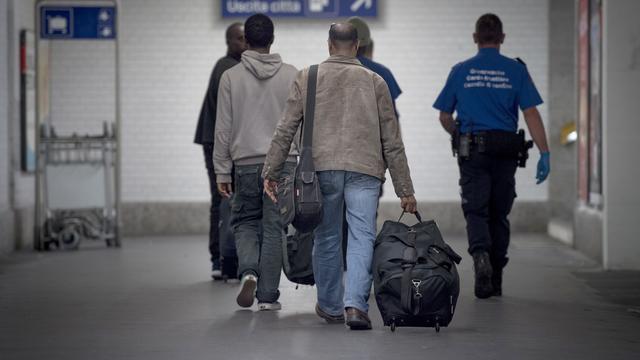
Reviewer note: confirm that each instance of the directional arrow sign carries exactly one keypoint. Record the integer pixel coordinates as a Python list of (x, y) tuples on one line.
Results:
[(357, 4)]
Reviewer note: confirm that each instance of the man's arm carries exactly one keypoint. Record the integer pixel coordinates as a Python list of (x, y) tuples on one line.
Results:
[(222, 162), (212, 97), (285, 131), (393, 147), (536, 128), (447, 122)]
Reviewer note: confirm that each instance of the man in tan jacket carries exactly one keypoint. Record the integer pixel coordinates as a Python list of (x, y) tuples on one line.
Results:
[(355, 138)]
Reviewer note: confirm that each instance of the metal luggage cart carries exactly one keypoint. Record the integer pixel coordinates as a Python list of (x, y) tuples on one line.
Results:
[(77, 182), (78, 193)]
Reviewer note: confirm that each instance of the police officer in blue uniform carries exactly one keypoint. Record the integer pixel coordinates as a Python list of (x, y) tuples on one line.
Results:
[(486, 91)]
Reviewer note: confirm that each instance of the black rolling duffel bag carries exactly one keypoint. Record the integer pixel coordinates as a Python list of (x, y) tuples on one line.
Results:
[(414, 274)]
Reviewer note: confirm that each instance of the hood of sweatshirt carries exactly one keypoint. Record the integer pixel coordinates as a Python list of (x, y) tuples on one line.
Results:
[(262, 66)]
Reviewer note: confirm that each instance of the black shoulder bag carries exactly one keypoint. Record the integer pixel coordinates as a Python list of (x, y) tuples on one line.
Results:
[(307, 194)]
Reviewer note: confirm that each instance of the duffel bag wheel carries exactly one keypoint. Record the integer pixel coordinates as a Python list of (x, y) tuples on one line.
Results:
[(393, 327), (437, 327)]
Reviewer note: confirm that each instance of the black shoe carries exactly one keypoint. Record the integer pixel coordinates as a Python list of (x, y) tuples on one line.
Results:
[(483, 271), (496, 277), (496, 282), (229, 267), (358, 320), (331, 319)]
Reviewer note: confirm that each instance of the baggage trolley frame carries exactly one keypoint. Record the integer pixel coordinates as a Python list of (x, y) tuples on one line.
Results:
[(74, 163), (63, 217)]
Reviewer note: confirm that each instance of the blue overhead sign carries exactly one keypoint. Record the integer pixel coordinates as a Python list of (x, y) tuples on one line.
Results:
[(78, 22), (300, 8)]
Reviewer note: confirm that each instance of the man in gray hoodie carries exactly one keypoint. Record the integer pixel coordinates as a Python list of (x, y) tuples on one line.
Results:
[(251, 100)]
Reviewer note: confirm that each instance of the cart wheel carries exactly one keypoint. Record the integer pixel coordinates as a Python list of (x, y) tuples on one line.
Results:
[(70, 238), (437, 327), (393, 327)]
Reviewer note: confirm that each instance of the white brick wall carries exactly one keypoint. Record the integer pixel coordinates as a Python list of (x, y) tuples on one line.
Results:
[(82, 85), (4, 109), (169, 47)]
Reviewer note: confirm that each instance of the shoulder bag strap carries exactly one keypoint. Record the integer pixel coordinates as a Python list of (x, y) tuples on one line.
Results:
[(307, 126), (306, 167)]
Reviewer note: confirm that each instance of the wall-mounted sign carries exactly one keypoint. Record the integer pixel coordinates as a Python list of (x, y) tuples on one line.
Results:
[(77, 22), (300, 8)]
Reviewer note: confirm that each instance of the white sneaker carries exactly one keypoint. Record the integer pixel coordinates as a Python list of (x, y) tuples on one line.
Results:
[(247, 292), (216, 274), (265, 306)]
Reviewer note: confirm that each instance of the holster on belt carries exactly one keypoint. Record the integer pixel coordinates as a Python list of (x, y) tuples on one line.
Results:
[(501, 144), (460, 143)]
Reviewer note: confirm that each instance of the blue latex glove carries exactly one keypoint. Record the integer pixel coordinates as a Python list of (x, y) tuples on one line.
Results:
[(543, 167)]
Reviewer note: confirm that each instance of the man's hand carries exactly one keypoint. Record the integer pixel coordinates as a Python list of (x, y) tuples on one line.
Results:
[(543, 168), (271, 187), (225, 189), (409, 204)]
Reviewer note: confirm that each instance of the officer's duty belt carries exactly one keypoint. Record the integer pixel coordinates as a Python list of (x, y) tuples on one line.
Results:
[(502, 144)]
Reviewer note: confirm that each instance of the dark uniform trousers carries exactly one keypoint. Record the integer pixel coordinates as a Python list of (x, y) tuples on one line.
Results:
[(214, 211), (487, 185)]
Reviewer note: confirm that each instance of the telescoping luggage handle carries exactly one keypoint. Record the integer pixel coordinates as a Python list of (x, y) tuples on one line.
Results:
[(417, 215)]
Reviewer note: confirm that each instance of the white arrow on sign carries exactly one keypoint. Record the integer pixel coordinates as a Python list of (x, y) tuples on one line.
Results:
[(359, 3)]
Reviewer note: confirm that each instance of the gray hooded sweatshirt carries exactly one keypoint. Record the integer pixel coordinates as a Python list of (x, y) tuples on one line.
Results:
[(251, 100)]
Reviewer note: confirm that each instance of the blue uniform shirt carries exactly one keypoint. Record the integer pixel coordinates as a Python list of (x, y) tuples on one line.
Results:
[(486, 92), (386, 74)]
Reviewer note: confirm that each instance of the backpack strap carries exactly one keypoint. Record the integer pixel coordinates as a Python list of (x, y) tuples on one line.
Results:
[(422, 244)]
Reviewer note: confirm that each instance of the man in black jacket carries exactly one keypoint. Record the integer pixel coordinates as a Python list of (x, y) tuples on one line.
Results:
[(205, 135)]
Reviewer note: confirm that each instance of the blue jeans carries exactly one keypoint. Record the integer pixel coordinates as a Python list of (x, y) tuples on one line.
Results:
[(359, 193)]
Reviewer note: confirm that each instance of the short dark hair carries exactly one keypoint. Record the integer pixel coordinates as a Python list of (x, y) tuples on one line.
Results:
[(343, 33), (230, 28), (258, 30), (489, 29)]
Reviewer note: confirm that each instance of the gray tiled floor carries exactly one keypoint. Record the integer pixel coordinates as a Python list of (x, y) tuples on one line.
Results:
[(152, 299)]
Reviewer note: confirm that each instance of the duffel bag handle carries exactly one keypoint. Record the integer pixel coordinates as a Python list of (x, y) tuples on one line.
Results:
[(417, 215)]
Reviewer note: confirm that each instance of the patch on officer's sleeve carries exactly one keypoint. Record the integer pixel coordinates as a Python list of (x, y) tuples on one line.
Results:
[(520, 61)]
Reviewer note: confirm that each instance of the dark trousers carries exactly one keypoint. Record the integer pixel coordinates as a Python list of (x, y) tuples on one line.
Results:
[(214, 211), (258, 230), (487, 186)]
